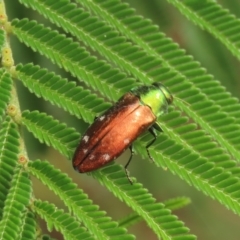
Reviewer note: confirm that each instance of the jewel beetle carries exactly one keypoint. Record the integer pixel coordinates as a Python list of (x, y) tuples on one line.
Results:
[(116, 129)]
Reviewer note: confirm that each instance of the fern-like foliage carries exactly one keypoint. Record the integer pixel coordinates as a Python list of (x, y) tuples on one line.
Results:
[(207, 114), (47, 173), (98, 35), (182, 66), (15, 206), (5, 90), (196, 141), (194, 167), (60, 92), (146, 35), (72, 57), (204, 175), (77, 201), (157, 217), (215, 19), (29, 225), (50, 131), (15, 185), (9, 138), (188, 173), (171, 204), (61, 221), (201, 139)]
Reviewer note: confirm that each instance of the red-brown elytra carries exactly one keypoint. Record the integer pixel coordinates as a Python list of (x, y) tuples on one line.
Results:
[(116, 129)]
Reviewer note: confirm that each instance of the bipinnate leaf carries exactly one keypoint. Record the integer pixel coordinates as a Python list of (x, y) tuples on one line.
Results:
[(9, 143), (68, 54), (61, 92), (212, 17), (100, 77), (96, 221), (61, 221), (159, 219), (50, 131), (17, 201)]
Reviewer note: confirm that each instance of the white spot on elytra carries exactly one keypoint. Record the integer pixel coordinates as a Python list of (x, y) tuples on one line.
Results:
[(102, 118), (106, 157), (86, 138), (85, 150), (126, 141), (137, 113), (92, 156)]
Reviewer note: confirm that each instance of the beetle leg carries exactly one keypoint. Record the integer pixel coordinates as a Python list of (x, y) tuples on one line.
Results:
[(151, 130), (157, 127), (126, 166)]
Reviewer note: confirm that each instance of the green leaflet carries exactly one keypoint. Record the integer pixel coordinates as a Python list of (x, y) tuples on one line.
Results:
[(77, 201), (51, 132), (5, 91), (61, 221), (61, 92)]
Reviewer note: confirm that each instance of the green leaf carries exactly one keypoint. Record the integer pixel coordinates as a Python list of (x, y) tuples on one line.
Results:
[(73, 58), (159, 219), (5, 90), (78, 203), (148, 219), (196, 140), (9, 142), (204, 175), (208, 100), (29, 225), (60, 92), (206, 114), (15, 205), (172, 204), (51, 132), (201, 139), (215, 19), (2, 38), (182, 67), (98, 35), (189, 163), (61, 221)]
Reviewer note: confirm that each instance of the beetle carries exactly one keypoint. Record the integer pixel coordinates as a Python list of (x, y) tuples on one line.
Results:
[(115, 130)]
